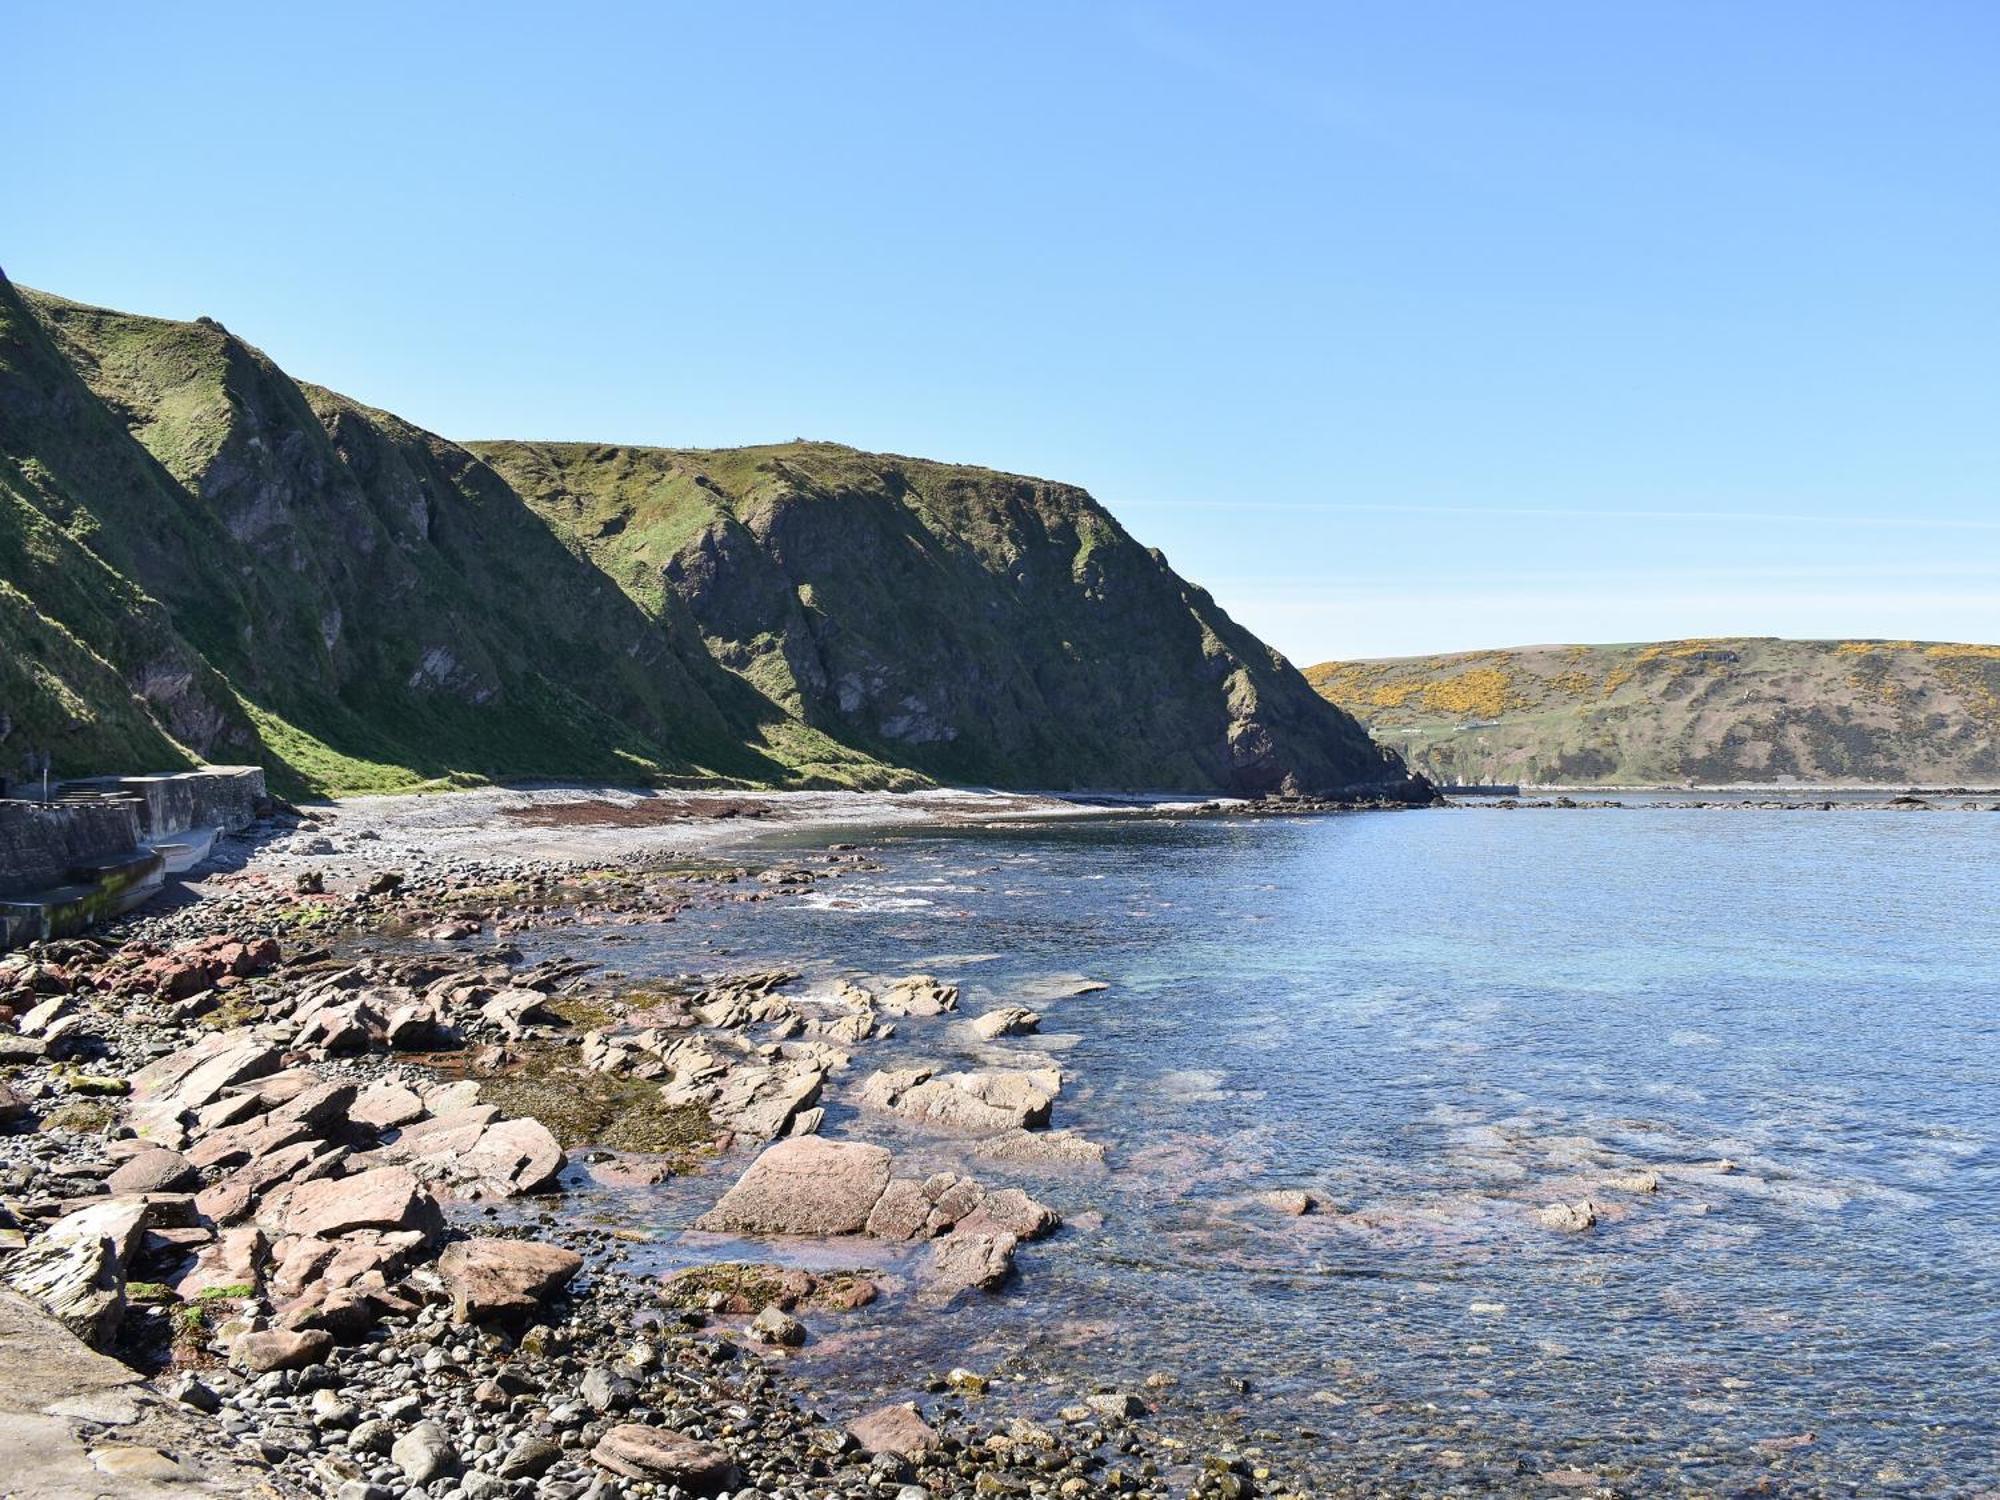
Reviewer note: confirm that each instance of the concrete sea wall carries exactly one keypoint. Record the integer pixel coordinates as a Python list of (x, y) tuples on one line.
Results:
[(90, 854)]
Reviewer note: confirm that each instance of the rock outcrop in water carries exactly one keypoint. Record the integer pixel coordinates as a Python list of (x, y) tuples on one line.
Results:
[(203, 558)]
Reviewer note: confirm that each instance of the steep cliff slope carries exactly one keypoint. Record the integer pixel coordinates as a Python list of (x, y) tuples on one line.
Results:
[(202, 558), (1706, 712), (982, 627), (341, 593)]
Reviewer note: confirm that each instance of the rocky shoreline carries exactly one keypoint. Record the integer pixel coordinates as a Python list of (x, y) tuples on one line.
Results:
[(297, 1149)]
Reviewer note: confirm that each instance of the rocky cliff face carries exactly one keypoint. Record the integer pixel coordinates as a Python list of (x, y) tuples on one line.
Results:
[(201, 557), (1701, 712), (982, 627)]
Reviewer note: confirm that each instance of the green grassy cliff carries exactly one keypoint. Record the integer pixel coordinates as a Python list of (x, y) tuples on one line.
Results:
[(981, 627), (201, 558), (1700, 712)]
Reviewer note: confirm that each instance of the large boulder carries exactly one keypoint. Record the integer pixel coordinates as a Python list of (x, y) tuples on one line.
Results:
[(664, 1457), (805, 1186), (504, 1278)]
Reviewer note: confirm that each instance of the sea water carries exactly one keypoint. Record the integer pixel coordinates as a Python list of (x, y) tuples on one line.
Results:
[(1437, 1023)]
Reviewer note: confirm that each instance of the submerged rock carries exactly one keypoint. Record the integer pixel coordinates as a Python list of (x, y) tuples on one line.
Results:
[(806, 1185)]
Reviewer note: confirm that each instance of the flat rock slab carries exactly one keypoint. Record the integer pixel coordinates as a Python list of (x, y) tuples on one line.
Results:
[(665, 1457), (804, 1186), (386, 1198), (154, 1171), (57, 1400)]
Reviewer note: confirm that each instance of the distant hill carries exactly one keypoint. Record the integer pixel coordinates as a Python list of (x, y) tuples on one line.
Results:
[(204, 558), (1699, 712)]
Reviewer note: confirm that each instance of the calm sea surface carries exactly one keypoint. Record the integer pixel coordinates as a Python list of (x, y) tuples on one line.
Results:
[(1438, 1022)]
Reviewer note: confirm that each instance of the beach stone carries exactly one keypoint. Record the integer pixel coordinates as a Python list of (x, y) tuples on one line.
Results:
[(136, 1464), (898, 1429), (387, 1198), (280, 1349), (510, 1158), (424, 1453), (985, 1101), (504, 1278), (665, 1457), (13, 1108), (121, 1221), (235, 1258), (529, 1458), (806, 1186), (155, 1171), (901, 1213)]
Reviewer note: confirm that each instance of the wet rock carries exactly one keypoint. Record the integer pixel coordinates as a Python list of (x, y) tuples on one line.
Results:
[(1635, 1182), (1571, 1218), (805, 1186), (903, 1211), (898, 1429), (1010, 1211), (918, 995), (1293, 1201), (504, 1278), (982, 1102), (1041, 1148), (964, 1260), (1007, 1020), (665, 1457), (774, 1326)]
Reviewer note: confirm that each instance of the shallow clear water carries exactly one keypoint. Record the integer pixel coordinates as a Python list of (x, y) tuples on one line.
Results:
[(1438, 1022)]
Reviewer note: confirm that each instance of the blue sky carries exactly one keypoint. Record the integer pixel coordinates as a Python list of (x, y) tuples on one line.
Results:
[(1401, 327)]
